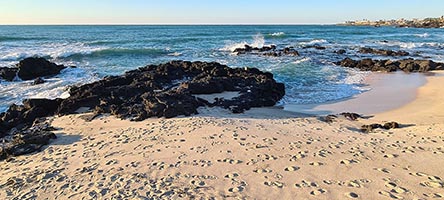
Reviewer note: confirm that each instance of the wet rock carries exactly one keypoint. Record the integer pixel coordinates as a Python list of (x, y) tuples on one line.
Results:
[(267, 51), (38, 81), (318, 47), (31, 68), (407, 65), (7, 73), (367, 50), (341, 51)]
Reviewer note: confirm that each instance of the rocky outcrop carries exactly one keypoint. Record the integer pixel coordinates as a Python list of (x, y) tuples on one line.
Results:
[(165, 90), (31, 68), (389, 125), (407, 65), (25, 141), (267, 51), (367, 50)]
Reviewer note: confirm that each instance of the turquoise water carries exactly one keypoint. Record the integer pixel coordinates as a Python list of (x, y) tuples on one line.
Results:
[(99, 51)]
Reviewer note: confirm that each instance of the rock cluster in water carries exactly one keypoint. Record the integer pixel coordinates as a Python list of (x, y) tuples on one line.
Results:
[(165, 90), (31, 68), (407, 65), (383, 52), (266, 51)]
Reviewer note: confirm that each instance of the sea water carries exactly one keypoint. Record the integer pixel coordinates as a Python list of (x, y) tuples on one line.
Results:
[(99, 51)]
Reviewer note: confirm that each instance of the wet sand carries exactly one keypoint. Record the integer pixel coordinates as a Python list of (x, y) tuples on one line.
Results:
[(386, 91)]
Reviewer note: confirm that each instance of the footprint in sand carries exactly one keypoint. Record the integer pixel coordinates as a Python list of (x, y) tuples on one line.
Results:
[(352, 195), (385, 170), (261, 171), (391, 155), (231, 175), (236, 189), (316, 163), (390, 194), (197, 183), (348, 162), (306, 184), (275, 184), (291, 168), (231, 161), (318, 192)]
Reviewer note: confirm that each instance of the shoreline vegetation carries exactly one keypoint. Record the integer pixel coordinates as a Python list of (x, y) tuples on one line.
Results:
[(437, 22)]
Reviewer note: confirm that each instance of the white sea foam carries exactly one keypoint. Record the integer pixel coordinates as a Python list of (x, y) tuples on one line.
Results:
[(313, 42), (258, 41), (277, 34), (15, 92), (175, 54), (52, 50), (424, 35), (305, 59)]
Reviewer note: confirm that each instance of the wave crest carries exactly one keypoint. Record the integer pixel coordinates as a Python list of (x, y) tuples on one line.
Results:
[(258, 41)]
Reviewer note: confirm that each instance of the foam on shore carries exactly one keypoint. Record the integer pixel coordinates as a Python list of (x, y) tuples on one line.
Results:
[(387, 91)]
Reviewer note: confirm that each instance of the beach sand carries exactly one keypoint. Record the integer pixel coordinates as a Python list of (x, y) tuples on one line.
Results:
[(265, 153)]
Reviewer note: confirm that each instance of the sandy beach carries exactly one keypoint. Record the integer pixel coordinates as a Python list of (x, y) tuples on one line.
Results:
[(262, 154)]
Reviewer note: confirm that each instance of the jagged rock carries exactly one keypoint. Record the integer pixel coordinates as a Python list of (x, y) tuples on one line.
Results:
[(391, 125), (31, 68), (8, 73), (165, 90), (267, 51), (407, 65), (27, 140), (383, 52)]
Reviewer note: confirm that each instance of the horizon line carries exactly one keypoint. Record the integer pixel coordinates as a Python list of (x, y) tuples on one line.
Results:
[(164, 24)]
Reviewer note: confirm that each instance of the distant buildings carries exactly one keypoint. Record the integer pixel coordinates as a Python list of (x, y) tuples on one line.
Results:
[(416, 23)]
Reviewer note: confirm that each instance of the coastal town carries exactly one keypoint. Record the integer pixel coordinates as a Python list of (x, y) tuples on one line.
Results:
[(414, 23)]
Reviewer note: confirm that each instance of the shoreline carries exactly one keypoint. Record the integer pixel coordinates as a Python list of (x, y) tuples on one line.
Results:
[(386, 91), (262, 153)]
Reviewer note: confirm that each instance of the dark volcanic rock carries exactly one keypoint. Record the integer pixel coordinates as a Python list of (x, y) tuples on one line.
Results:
[(38, 81), (340, 51), (165, 90), (383, 52), (26, 141), (267, 51), (389, 125), (8, 73), (31, 68), (407, 65), (314, 47)]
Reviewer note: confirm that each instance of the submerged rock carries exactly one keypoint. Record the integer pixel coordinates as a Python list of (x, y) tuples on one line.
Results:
[(407, 65)]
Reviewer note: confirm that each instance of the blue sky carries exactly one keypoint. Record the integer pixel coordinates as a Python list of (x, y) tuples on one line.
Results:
[(211, 11)]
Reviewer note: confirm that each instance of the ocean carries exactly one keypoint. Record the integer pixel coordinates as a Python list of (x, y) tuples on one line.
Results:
[(100, 51)]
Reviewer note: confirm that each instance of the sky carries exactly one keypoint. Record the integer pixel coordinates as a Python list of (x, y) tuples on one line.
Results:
[(212, 11)]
